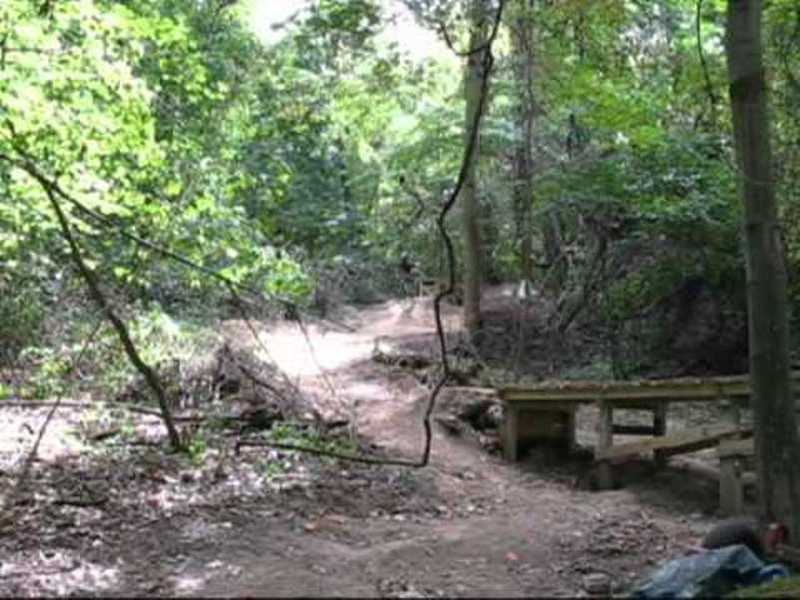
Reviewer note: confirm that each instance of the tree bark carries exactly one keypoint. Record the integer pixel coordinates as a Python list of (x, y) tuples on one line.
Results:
[(776, 440), (521, 27), (473, 81)]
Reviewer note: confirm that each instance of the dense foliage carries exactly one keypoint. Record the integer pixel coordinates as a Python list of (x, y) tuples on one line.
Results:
[(320, 161)]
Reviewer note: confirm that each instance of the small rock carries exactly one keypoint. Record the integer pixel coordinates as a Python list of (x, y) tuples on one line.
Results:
[(597, 583)]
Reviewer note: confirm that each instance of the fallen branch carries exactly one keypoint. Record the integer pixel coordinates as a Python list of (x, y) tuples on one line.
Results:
[(90, 278), (43, 404), (469, 389), (359, 458), (34, 404), (81, 502), (104, 435), (40, 573)]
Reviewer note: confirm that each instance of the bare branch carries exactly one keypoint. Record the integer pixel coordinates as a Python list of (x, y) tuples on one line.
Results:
[(712, 96), (100, 299), (488, 62)]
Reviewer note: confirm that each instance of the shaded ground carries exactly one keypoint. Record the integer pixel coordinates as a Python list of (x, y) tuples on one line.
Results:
[(132, 521)]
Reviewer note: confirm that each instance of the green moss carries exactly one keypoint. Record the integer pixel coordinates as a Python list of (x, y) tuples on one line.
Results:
[(788, 587)]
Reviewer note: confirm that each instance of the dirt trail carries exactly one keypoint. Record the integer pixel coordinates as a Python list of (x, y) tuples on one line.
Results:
[(494, 529), (131, 520)]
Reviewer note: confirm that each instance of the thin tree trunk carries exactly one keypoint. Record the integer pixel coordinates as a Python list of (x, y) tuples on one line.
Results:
[(490, 237), (776, 440), (122, 331), (522, 52), (471, 209)]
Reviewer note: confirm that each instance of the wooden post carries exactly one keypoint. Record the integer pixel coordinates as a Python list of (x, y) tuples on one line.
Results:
[(660, 429), (511, 433), (733, 412), (660, 419), (731, 489), (570, 433), (605, 439)]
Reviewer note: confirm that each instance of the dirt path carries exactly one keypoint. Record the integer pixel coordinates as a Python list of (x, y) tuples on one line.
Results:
[(486, 528), (150, 524)]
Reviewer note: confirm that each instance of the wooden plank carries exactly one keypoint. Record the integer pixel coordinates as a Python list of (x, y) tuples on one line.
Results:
[(614, 387), (697, 392), (660, 429), (749, 478), (605, 440), (604, 474), (621, 395), (660, 457), (686, 448), (685, 389), (511, 434), (543, 396), (731, 492), (553, 406), (524, 427), (605, 427), (571, 431), (733, 412), (650, 404), (684, 441), (466, 389), (634, 430), (736, 448), (539, 425), (660, 420)]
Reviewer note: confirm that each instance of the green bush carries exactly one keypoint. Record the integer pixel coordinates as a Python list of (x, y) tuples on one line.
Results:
[(21, 314)]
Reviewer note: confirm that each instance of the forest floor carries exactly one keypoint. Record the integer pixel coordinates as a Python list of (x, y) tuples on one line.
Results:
[(109, 519)]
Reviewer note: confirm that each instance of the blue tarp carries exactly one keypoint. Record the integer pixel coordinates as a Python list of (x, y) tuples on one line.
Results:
[(710, 573)]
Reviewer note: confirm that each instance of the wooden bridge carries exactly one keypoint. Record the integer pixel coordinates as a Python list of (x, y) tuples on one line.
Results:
[(546, 411)]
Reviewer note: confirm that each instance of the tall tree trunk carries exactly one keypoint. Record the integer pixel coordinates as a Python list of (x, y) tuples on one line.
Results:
[(473, 80), (776, 440), (490, 236), (521, 27)]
